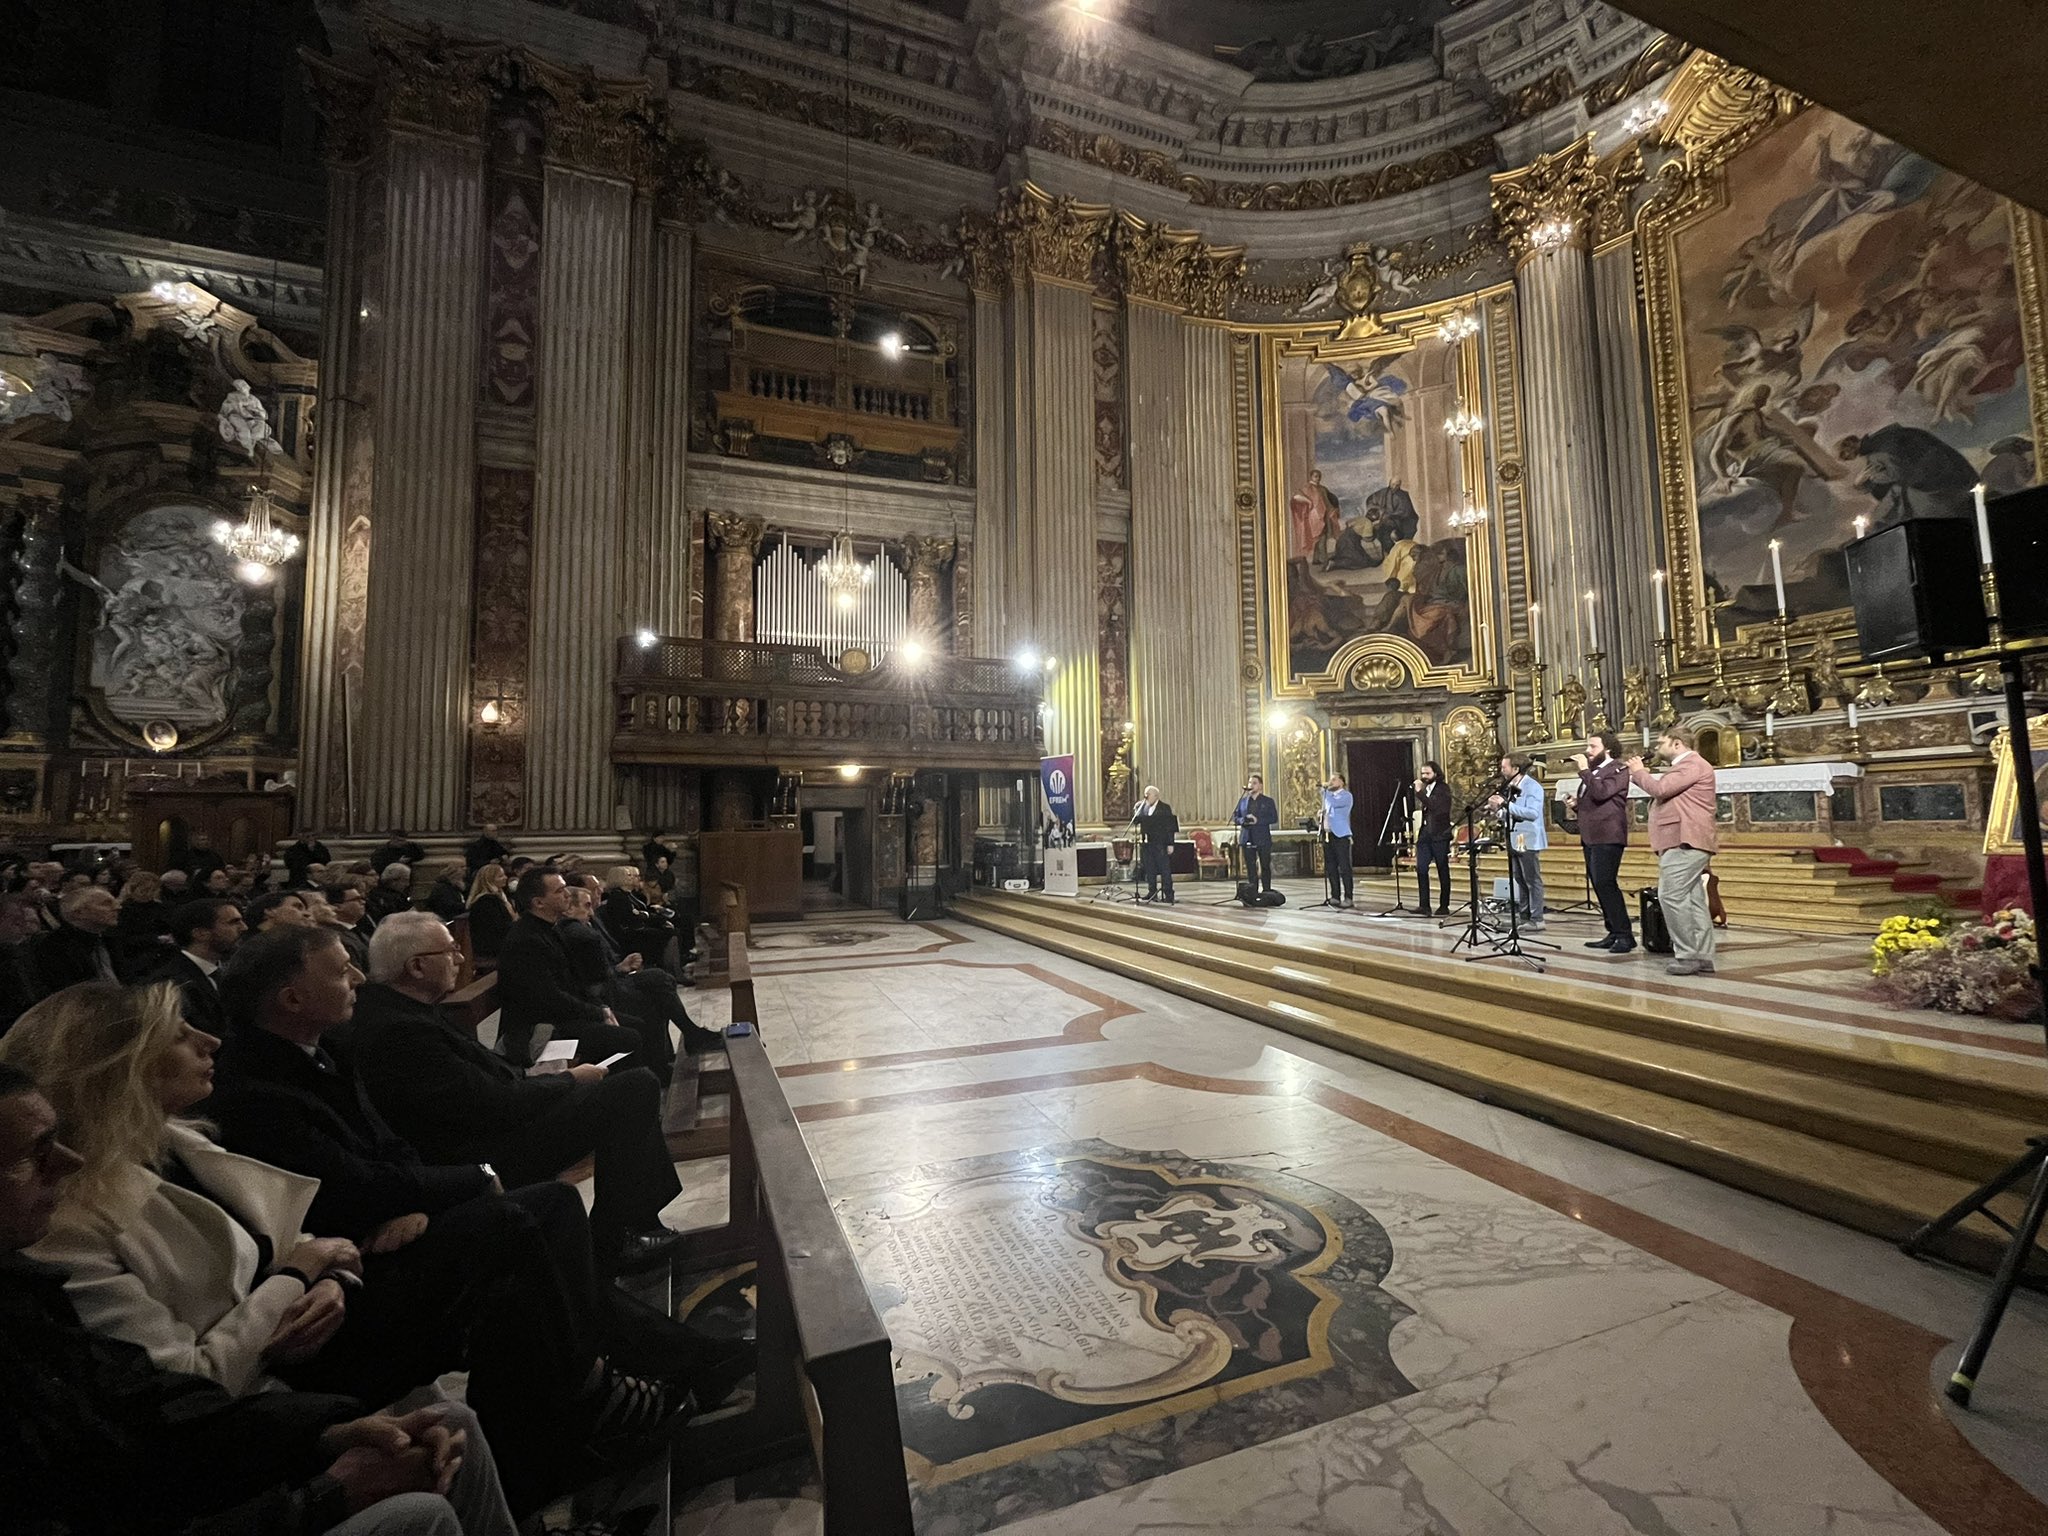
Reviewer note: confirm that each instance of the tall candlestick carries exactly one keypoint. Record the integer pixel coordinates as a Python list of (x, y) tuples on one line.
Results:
[(1536, 629), (1983, 526), (1778, 577), (1657, 601)]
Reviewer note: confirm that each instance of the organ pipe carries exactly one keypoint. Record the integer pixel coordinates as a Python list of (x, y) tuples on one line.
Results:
[(793, 606)]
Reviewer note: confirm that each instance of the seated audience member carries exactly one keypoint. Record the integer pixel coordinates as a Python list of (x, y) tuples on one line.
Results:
[(346, 915), (202, 858), (490, 914), (538, 985), (644, 995), (392, 893), (396, 849), (459, 1103), (654, 850), (177, 886), (304, 852), (205, 932), (634, 925), (219, 882), (76, 949), (142, 929), (486, 849), (97, 1438), (18, 988), (279, 909), (448, 897), (461, 1273)]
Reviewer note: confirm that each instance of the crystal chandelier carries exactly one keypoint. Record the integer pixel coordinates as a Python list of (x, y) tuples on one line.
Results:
[(1459, 325), (1464, 422), (1550, 234), (1469, 518), (843, 572), (256, 545), (1641, 119)]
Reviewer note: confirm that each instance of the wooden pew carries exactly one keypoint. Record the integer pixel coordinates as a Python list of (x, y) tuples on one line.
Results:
[(824, 1371)]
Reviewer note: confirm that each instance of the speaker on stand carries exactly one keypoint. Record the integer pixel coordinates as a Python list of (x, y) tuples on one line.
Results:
[(1917, 590)]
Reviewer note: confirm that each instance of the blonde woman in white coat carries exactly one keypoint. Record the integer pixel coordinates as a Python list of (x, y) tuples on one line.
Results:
[(171, 1242)]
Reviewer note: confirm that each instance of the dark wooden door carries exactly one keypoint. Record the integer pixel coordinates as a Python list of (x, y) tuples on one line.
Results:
[(1378, 771)]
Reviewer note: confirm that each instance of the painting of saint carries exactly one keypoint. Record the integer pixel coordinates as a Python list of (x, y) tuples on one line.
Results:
[(1852, 348), (1372, 481)]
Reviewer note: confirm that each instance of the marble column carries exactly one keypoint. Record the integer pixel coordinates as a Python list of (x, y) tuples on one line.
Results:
[(925, 558), (413, 707), (655, 573), (1633, 528), (1546, 210), (993, 527), (736, 539), (578, 515)]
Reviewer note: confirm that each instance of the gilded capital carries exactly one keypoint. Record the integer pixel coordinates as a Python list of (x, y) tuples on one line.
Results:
[(1175, 267), (431, 81), (606, 127), (987, 250), (732, 531), (1053, 237), (347, 104), (1550, 201)]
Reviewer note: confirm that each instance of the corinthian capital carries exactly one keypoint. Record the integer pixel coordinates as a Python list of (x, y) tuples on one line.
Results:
[(1176, 267), (987, 249), (1550, 201), (735, 530), (431, 81), (1053, 237), (607, 127)]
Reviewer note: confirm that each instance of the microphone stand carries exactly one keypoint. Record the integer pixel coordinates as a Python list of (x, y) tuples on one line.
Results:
[(1329, 901), (1508, 946), (1400, 827), (1477, 930)]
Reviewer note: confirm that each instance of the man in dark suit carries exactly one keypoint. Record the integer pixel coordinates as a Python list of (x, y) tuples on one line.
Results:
[(206, 932), (1255, 816), (643, 995), (305, 851), (202, 858), (459, 1103), (538, 984), (485, 849), (1430, 799), (94, 1436), (76, 949), (1157, 827), (396, 849)]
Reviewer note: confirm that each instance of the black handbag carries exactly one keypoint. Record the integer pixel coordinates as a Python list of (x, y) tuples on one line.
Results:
[(1650, 915)]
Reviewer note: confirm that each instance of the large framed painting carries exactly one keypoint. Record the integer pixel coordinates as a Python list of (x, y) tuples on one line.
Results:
[(1370, 581), (1838, 342), (2003, 832)]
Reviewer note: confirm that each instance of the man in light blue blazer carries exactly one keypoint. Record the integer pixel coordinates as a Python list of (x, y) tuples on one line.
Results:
[(1521, 798), (1337, 840)]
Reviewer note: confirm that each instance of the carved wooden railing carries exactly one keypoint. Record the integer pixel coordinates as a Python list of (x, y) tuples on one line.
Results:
[(710, 701)]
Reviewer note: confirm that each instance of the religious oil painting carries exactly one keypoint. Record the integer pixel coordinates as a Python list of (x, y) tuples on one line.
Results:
[(2003, 830), (1852, 351), (1369, 484)]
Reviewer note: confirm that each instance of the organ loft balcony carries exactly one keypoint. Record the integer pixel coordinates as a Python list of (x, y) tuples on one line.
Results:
[(755, 703)]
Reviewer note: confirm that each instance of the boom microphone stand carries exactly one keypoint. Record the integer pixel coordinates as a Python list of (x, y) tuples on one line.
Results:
[(1508, 946), (1399, 823), (1962, 1380)]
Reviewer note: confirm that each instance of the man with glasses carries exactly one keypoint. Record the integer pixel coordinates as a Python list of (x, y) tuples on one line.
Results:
[(458, 1102)]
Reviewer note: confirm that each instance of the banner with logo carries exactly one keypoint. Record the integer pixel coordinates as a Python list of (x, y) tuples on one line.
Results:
[(1056, 774)]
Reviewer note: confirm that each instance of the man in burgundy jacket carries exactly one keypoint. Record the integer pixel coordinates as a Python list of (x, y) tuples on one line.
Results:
[(1602, 807), (1683, 837)]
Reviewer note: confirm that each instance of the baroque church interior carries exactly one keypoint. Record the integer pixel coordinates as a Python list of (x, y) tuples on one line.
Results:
[(779, 558)]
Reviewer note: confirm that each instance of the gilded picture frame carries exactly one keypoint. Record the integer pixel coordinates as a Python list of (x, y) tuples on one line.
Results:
[(1484, 379), (2001, 825), (1713, 112)]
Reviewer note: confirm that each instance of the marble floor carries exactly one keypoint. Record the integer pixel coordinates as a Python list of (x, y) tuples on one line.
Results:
[(1152, 1268)]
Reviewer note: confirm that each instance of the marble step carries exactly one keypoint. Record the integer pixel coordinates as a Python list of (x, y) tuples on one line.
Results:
[(1773, 910), (1967, 1140), (1839, 1179)]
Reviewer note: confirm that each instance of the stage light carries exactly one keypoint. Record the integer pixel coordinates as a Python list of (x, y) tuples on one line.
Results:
[(1027, 660), (647, 639), (911, 652), (849, 771), (1278, 720), (892, 346)]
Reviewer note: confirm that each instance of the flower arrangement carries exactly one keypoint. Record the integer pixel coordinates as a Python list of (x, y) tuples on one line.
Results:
[(1983, 968)]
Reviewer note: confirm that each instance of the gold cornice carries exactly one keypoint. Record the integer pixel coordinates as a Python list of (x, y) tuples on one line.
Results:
[(1105, 151), (1441, 165), (1714, 108)]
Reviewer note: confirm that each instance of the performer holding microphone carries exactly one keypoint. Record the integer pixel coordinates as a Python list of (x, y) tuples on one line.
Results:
[(1431, 797), (1157, 827), (1521, 798), (1602, 808), (1337, 840), (1255, 816)]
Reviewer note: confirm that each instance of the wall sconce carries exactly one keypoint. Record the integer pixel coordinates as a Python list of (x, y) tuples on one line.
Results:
[(849, 771), (491, 714)]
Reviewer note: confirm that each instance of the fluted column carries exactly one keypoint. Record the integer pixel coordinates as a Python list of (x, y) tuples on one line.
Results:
[(1215, 721), (1163, 682), (578, 498), (1631, 481), (655, 575), (736, 539), (413, 707), (994, 483)]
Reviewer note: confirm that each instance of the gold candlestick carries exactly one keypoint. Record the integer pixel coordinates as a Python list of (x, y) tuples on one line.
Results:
[(1666, 712), (1596, 696), (1539, 701), (1789, 698)]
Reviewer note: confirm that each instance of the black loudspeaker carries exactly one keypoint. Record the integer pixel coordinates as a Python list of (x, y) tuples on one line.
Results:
[(1272, 899), (1917, 590), (2019, 558)]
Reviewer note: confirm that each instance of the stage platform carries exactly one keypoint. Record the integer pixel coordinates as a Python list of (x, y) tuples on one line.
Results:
[(1779, 1074)]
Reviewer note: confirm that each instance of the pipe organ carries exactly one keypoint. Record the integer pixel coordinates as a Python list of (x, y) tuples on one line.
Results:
[(793, 606)]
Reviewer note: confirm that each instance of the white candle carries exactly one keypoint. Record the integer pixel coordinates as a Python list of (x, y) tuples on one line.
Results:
[(1485, 639), (1657, 601), (1536, 629), (1589, 618), (1770, 723), (1983, 525), (1646, 738), (1778, 577), (1862, 526), (1852, 714)]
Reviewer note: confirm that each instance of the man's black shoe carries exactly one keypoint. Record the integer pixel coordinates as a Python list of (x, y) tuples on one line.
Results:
[(1605, 941), (647, 1250), (697, 1040)]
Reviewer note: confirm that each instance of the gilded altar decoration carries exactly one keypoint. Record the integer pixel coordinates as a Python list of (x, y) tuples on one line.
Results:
[(1365, 558), (1836, 334), (1301, 770), (1471, 754)]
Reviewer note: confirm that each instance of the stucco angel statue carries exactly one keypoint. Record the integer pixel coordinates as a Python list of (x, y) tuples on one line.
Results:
[(244, 423)]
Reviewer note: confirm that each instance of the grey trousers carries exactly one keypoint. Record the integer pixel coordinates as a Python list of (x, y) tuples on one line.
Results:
[(403, 1514), (1682, 888), (474, 1505), (1529, 882)]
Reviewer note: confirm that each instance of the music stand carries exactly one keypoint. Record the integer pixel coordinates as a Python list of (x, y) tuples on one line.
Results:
[(1508, 946), (1477, 930), (1400, 826)]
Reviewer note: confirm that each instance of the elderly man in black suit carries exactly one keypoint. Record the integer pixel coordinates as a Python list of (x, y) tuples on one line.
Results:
[(459, 1103), (206, 932), (538, 984), (1157, 828), (76, 949)]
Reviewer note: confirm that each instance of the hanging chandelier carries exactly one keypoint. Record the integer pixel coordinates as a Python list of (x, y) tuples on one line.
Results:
[(1469, 518), (256, 544), (844, 573), (1464, 422), (1550, 234), (1459, 325)]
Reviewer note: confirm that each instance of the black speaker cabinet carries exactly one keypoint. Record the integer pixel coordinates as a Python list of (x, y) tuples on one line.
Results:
[(2019, 558), (1917, 590)]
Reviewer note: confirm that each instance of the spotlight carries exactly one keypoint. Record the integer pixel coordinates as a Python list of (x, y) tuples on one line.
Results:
[(892, 346), (849, 771), (911, 652), (1027, 660), (363, 313), (1279, 719), (647, 639)]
